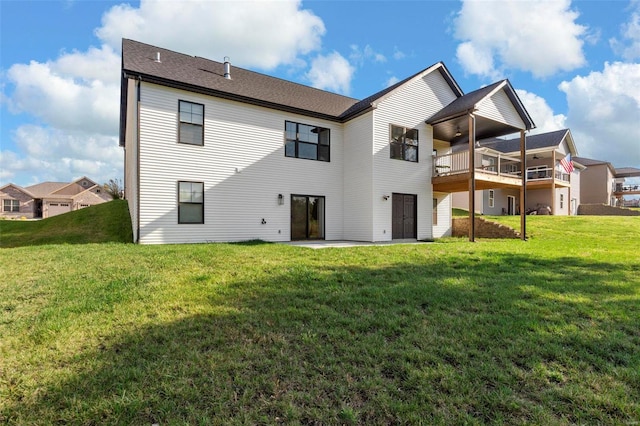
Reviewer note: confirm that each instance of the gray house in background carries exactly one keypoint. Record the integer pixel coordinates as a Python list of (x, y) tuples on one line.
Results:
[(550, 188)]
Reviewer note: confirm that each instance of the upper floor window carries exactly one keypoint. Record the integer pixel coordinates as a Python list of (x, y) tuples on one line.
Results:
[(11, 206), (191, 129), (305, 141), (404, 144), (190, 202)]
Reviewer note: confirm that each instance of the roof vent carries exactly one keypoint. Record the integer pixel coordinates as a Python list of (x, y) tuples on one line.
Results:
[(157, 58), (227, 68)]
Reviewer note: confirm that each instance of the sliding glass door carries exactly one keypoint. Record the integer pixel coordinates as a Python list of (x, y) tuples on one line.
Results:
[(307, 217)]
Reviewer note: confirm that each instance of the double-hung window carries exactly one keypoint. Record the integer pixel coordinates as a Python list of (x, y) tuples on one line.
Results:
[(190, 202), (191, 129), (11, 206), (305, 141), (404, 143)]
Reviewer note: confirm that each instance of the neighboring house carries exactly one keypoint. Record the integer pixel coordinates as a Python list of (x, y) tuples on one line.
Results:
[(220, 154), (549, 187), (623, 188), (604, 184), (49, 199)]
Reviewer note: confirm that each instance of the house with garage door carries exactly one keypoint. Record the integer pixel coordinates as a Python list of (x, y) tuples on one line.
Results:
[(553, 179), (49, 199), (220, 153)]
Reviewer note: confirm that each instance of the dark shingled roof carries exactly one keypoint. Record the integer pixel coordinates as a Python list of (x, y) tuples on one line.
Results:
[(624, 172), (621, 172), (539, 141), (589, 162), (462, 105), (205, 76)]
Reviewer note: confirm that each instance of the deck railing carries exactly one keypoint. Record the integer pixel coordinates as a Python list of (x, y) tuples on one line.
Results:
[(458, 162), (618, 187), (543, 173)]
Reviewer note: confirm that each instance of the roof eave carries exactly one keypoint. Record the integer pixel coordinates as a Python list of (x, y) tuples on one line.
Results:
[(229, 96)]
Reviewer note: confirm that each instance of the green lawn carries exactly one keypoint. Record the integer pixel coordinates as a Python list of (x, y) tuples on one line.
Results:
[(107, 222), (494, 332)]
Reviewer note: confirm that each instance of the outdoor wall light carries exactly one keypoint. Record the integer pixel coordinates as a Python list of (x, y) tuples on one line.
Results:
[(385, 197), (280, 199)]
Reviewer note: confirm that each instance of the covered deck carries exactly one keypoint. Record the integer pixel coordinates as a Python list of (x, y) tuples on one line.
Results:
[(490, 112), (451, 172), (622, 187)]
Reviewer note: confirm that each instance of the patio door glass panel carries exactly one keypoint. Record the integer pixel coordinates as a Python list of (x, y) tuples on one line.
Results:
[(307, 217)]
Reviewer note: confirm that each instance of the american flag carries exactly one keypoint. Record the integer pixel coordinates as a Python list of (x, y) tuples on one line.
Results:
[(566, 164)]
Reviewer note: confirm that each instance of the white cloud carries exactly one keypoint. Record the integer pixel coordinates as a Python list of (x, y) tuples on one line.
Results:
[(629, 46), (261, 34), (75, 98), (604, 112), (359, 56), (50, 154), (391, 81), (538, 36), (76, 92), (331, 72), (476, 59), (398, 54), (541, 113)]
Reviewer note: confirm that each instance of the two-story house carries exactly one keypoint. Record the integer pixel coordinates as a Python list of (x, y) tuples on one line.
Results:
[(551, 188), (219, 153), (602, 183)]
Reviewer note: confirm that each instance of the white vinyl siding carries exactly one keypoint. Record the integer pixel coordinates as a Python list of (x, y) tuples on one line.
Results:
[(498, 107), (242, 164), (358, 179), (409, 106), (443, 227), (131, 157)]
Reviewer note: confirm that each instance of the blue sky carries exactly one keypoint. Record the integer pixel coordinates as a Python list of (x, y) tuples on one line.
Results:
[(575, 64)]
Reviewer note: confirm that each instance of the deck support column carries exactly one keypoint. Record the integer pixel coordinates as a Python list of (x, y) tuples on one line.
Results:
[(523, 188), (553, 182), (472, 178)]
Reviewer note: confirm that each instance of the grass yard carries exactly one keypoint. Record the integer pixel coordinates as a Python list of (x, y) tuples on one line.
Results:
[(494, 332)]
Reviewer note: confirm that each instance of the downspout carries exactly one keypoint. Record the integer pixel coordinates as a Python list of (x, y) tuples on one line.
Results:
[(523, 188), (553, 182), (472, 177), (137, 137)]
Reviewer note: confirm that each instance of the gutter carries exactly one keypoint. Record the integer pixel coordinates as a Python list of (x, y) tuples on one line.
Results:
[(232, 97)]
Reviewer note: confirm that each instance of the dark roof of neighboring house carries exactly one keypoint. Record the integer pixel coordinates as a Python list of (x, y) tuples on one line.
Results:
[(621, 172), (590, 162), (625, 172), (539, 141)]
